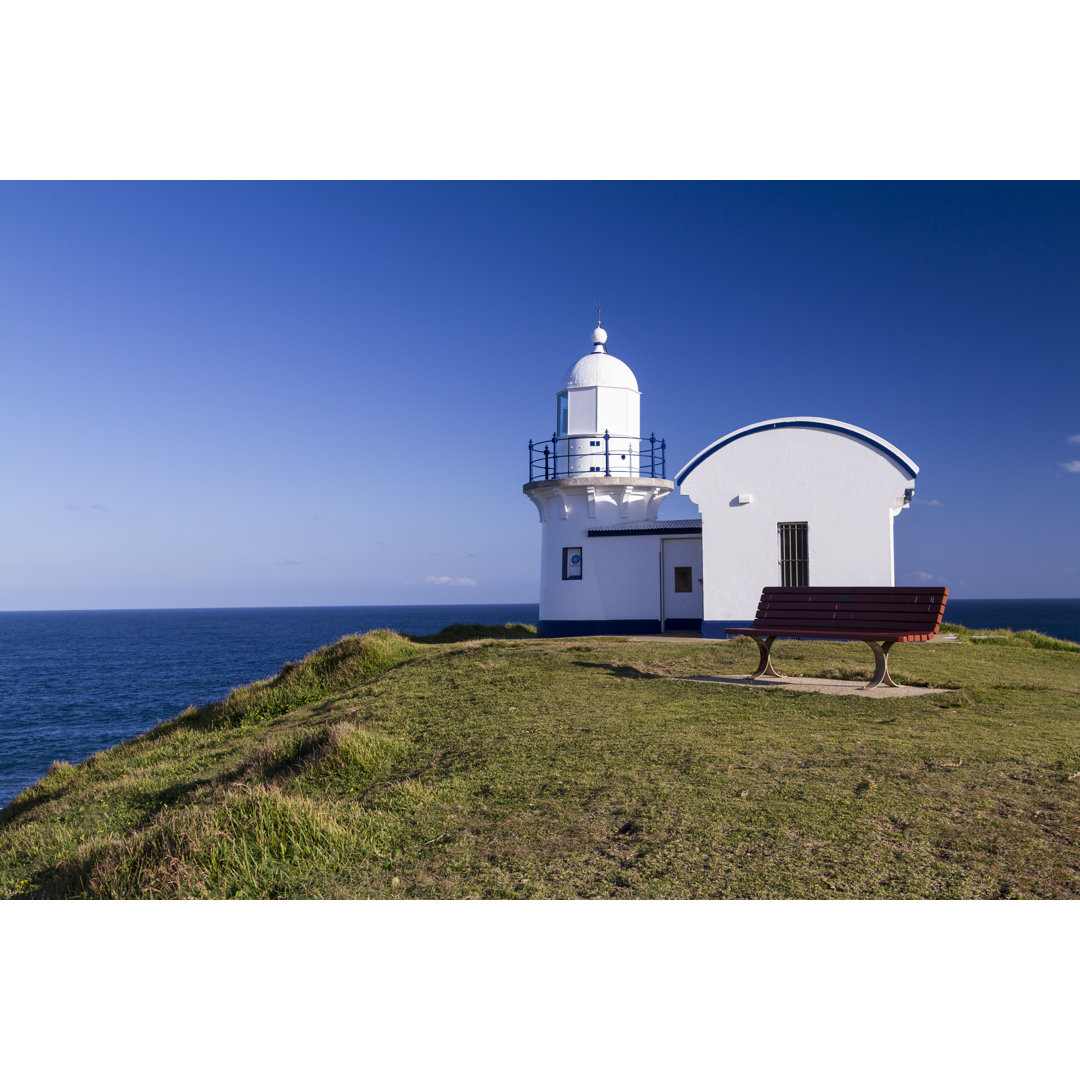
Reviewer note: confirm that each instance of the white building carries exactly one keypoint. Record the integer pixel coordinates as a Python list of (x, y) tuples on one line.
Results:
[(792, 501), (797, 501)]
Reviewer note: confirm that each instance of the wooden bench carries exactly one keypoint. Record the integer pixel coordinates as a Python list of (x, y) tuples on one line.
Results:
[(879, 616)]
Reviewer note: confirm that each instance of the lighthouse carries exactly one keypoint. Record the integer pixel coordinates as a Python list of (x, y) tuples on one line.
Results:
[(793, 501), (597, 485)]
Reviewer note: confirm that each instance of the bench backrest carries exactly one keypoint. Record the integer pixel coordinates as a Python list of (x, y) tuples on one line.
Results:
[(910, 612)]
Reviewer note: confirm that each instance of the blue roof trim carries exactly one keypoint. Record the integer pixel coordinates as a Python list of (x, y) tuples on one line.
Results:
[(824, 425)]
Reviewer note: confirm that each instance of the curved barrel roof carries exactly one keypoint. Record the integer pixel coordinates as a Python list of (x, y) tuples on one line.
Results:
[(901, 460)]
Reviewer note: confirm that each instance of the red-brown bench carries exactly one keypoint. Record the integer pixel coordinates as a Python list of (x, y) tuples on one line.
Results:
[(879, 616)]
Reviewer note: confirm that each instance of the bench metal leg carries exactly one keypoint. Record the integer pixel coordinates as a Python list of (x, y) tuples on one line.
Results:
[(765, 649), (881, 665)]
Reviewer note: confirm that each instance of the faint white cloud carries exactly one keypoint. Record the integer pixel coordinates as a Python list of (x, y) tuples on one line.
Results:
[(1073, 439), (927, 502), (1070, 466), (923, 577), (444, 580), (289, 562)]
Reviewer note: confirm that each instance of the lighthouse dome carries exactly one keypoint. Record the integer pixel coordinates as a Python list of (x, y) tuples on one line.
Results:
[(600, 368)]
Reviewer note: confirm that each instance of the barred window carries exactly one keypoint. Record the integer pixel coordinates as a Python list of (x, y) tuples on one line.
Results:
[(794, 553)]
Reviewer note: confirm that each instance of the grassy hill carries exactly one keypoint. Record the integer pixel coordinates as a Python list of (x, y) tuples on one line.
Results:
[(522, 767)]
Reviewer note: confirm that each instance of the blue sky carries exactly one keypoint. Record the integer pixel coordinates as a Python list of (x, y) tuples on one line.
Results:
[(223, 394)]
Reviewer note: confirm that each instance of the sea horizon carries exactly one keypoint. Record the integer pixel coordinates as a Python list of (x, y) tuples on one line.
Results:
[(255, 607), (493, 603)]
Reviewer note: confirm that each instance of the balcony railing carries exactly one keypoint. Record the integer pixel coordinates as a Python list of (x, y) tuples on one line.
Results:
[(604, 455)]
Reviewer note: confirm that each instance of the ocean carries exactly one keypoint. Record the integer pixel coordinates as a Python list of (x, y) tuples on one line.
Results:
[(1056, 618), (75, 682)]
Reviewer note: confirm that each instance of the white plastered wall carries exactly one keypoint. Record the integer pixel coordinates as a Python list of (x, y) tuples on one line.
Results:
[(846, 490), (620, 575)]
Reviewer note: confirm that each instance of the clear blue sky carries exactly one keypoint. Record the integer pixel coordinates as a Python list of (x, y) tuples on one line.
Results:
[(222, 394)]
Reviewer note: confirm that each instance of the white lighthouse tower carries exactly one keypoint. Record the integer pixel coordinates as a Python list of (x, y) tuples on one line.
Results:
[(596, 480)]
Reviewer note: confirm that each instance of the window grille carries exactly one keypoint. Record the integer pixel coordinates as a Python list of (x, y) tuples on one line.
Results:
[(794, 553)]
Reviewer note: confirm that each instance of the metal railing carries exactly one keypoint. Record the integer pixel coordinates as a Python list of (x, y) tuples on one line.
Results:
[(605, 455)]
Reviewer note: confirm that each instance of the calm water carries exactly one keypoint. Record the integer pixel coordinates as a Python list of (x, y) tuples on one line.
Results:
[(74, 682), (1058, 618)]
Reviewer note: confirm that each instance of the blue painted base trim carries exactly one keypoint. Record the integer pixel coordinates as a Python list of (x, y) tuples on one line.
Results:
[(693, 625), (712, 629), (595, 627)]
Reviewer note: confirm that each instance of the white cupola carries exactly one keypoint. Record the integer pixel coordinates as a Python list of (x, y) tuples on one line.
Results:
[(598, 413)]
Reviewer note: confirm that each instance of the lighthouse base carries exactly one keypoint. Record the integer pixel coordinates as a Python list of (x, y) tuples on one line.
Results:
[(596, 627), (618, 627)]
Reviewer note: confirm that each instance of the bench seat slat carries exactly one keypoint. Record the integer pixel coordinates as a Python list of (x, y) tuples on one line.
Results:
[(867, 603), (840, 630), (825, 614), (852, 595), (779, 611), (867, 599), (831, 616), (836, 634), (895, 624), (833, 613)]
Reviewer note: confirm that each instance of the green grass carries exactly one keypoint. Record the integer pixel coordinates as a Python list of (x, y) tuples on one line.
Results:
[(523, 767), (474, 631), (1028, 639)]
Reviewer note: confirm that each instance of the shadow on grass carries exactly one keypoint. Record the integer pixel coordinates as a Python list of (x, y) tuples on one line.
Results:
[(619, 671), (151, 803), (44, 884), (473, 632), (16, 809)]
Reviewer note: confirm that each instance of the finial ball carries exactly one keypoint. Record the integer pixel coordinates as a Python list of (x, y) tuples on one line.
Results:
[(599, 336)]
